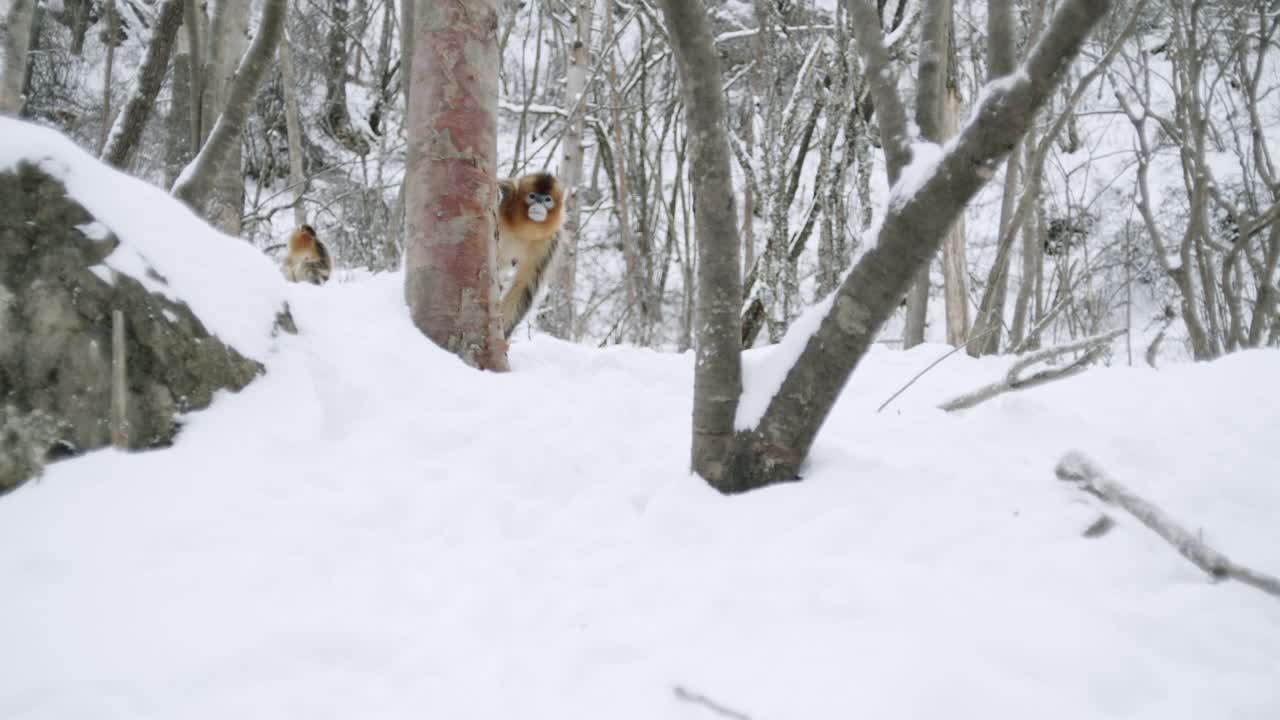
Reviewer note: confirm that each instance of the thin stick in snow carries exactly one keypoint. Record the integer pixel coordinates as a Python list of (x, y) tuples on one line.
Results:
[(708, 703), (1077, 468), (1093, 344)]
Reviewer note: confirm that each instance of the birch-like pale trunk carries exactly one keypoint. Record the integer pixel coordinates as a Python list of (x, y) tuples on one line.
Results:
[(559, 315), (293, 129), (14, 63), (909, 237), (955, 270), (226, 40), (930, 98), (126, 133), (450, 191), (197, 180)]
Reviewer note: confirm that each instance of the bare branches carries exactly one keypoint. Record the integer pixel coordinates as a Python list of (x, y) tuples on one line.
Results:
[(1091, 346), (884, 86), (1075, 467)]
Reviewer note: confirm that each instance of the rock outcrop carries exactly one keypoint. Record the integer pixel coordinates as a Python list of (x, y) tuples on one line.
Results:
[(56, 303)]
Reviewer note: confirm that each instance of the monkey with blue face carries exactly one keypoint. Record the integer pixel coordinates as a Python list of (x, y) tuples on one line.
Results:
[(530, 213)]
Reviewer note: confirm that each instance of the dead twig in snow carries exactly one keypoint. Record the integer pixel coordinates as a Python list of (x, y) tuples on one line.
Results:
[(1094, 345), (1076, 467), (708, 703)]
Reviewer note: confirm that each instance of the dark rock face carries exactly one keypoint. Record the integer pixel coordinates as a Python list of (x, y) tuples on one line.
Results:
[(55, 337)]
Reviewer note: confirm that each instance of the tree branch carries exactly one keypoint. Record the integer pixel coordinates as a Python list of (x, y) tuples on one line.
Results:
[(126, 132), (1075, 467), (1092, 346)]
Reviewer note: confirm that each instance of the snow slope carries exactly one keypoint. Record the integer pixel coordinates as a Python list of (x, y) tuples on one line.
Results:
[(374, 531)]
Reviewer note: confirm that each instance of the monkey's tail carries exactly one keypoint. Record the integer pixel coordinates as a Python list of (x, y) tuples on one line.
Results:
[(524, 289)]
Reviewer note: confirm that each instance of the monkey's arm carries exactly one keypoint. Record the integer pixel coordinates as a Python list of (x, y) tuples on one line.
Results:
[(530, 274)]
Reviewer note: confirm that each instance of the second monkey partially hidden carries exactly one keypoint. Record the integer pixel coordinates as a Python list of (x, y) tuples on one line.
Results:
[(530, 214)]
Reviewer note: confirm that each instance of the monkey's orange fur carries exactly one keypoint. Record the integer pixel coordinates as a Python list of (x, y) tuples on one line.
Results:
[(307, 259), (525, 242)]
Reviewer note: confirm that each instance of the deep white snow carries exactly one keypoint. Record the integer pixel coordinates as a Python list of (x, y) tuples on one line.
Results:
[(372, 530)]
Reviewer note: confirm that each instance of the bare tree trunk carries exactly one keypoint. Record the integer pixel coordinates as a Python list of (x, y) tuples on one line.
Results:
[(293, 128), (955, 271), (930, 99), (226, 40), (1032, 256), (198, 178), (193, 22), (989, 322), (559, 314), (909, 237), (450, 192), (14, 62), (632, 282), (108, 67), (126, 133), (337, 119), (178, 131), (717, 381)]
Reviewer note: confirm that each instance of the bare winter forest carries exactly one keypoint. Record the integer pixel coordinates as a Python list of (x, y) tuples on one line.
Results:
[(1143, 197)]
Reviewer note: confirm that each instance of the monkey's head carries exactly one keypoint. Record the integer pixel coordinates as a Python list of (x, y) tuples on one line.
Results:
[(302, 237), (538, 197)]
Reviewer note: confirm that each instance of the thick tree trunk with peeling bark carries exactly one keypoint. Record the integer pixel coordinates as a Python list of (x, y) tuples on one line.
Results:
[(17, 38), (911, 234), (126, 132), (450, 191), (198, 178), (717, 379)]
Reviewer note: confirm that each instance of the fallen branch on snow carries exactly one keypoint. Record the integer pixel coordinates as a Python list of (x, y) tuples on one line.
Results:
[(1094, 345), (708, 703), (1077, 468)]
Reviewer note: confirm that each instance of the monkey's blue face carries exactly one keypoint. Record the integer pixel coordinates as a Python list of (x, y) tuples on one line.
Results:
[(539, 205)]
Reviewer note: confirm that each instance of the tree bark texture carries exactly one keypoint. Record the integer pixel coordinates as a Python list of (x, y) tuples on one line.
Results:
[(293, 129), (955, 271), (17, 39), (930, 96), (717, 380), (337, 119), (450, 191), (197, 180), (109, 6), (559, 316), (126, 132), (177, 151), (227, 40), (910, 236)]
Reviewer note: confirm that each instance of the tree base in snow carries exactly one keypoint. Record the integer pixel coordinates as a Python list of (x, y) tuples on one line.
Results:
[(56, 300)]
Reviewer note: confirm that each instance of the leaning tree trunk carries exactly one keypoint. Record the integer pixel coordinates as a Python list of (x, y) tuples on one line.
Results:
[(914, 226), (14, 68), (450, 224), (126, 133), (198, 178)]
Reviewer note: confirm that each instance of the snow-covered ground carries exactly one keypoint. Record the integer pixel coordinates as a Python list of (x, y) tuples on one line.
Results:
[(372, 530)]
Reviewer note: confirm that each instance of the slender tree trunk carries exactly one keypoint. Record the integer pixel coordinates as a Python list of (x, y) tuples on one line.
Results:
[(227, 38), (177, 151), (126, 133), (17, 40), (450, 192), (989, 322), (932, 94), (717, 382), (293, 128), (337, 119), (110, 8), (1032, 259), (636, 314), (193, 23), (955, 270), (559, 314), (198, 178)]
